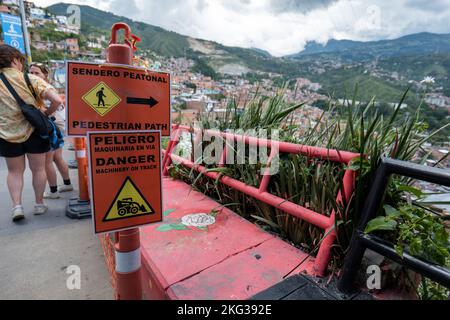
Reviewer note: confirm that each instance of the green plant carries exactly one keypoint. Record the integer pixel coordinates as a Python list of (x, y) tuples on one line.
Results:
[(417, 230), (429, 290), (414, 227), (314, 183)]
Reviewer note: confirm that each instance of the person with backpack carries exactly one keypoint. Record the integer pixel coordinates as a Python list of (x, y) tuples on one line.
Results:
[(54, 156), (24, 128)]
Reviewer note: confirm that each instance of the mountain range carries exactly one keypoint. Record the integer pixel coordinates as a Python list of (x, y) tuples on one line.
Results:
[(337, 65), (168, 43), (419, 43)]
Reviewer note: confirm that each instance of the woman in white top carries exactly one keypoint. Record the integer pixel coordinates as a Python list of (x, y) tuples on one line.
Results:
[(54, 156)]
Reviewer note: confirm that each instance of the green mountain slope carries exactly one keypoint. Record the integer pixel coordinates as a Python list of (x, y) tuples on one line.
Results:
[(415, 44), (342, 82), (166, 43), (161, 41)]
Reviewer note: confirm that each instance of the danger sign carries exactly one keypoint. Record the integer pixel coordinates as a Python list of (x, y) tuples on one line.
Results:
[(128, 202), (116, 98), (125, 171)]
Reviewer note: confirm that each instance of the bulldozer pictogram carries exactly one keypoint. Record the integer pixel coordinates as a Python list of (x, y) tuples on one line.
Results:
[(128, 206)]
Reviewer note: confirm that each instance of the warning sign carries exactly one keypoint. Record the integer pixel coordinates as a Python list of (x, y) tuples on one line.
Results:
[(125, 172), (129, 202), (102, 98), (116, 98)]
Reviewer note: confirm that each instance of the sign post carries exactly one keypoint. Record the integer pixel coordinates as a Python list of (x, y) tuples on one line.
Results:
[(126, 193), (25, 31), (123, 111), (102, 98)]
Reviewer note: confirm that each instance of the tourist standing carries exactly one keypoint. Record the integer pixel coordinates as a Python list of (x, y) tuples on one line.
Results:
[(18, 139), (54, 157)]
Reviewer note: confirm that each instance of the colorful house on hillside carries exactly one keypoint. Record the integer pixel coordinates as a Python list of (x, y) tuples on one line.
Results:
[(4, 9)]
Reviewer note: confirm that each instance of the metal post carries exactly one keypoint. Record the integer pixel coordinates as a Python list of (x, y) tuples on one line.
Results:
[(361, 241), (25, 31), (353, 259), (128, 248)]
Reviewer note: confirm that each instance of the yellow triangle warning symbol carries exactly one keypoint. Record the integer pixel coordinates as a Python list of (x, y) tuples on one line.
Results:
[(128, 203), (102, 98)]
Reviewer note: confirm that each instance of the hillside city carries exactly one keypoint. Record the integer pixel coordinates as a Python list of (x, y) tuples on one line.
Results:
[(296, 159), (193, 92)]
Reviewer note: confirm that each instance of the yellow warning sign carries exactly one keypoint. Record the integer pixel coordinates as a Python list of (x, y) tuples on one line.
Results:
[(128, 203), (102, 98)]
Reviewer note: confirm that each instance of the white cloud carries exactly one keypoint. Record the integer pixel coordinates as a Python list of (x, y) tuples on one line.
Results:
[(283, 26)]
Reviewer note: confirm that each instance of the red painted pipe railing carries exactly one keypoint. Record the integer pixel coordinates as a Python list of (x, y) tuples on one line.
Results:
[(318, 219)]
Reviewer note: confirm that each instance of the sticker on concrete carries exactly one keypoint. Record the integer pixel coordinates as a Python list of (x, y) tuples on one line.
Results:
[(199, 220)]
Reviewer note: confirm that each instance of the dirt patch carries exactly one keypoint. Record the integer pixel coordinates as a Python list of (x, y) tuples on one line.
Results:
[(203, 47), (233, 69)]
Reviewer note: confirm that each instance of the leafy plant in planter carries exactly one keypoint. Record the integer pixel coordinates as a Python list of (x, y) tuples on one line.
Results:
[(314, 184), (422, 233)]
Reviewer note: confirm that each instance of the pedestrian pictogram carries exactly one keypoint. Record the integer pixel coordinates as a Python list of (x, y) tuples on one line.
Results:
[(105, 97), (128, 203), (101, 98), (126, 179)]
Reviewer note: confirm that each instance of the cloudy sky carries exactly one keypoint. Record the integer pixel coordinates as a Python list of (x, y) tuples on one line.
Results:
[(283, 26)]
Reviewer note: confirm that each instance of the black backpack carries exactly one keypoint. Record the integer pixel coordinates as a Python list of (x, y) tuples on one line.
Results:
[(43, 125)]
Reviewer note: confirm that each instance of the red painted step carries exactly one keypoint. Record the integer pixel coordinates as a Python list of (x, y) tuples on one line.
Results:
[(231, 259)]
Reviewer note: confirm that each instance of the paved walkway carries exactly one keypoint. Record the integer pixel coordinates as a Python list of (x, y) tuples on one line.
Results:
[(35, 253)]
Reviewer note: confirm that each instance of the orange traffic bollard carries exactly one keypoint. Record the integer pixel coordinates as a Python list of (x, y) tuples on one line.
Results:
[(127, 248), (79, 208), (80, 149)]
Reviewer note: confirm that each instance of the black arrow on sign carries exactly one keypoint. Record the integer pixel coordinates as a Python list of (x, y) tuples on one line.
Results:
[(148, 102)]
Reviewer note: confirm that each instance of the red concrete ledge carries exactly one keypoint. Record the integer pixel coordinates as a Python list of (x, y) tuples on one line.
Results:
[(230, 259)]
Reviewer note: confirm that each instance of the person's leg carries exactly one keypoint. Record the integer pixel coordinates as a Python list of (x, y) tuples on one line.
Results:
[(37, 166), (61, 164), (63, 169), (50, 170), (16, 168)]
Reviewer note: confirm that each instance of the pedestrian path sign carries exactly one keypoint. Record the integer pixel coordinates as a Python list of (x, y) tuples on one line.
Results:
[(126, 179), (110, 97), (101, 98), (128, 203)]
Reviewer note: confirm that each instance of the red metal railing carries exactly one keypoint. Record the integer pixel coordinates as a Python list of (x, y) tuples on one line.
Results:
[(320, 220)]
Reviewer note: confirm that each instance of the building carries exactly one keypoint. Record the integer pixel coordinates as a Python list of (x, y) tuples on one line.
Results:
[(37, 14), (61, 20), (60, 45), (69, 28), (43, 45), (72, 45), (4, 9), (10, 2), (437, 100), (95, 43)]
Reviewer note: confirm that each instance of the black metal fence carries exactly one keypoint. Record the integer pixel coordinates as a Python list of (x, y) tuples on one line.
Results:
[(361, 241)]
